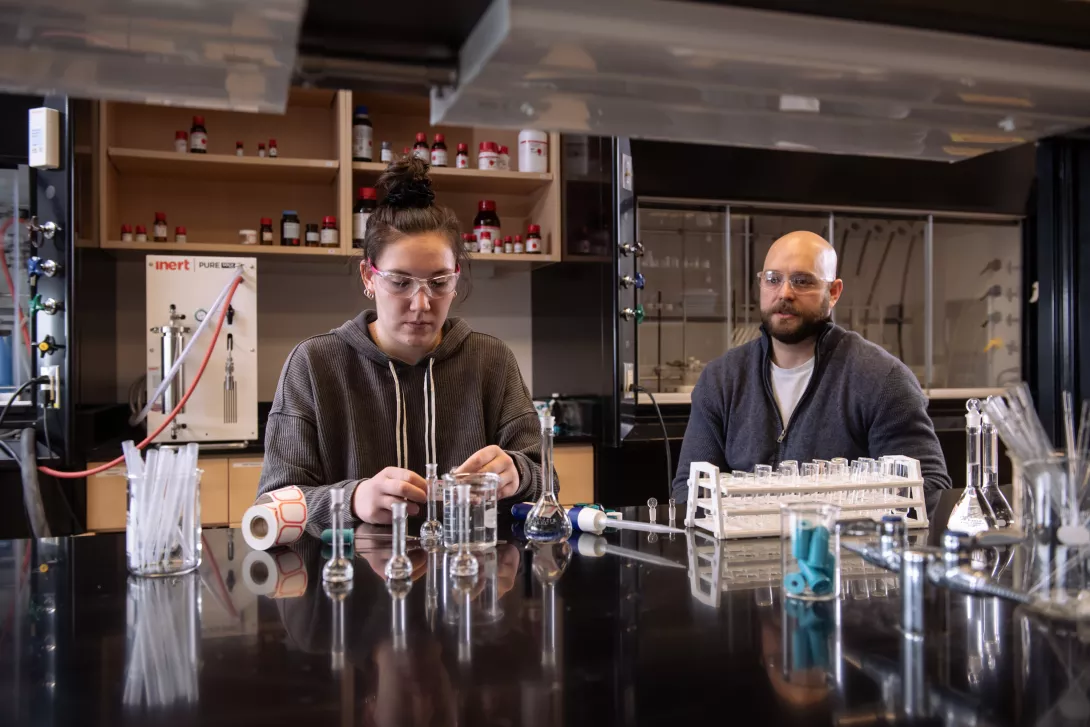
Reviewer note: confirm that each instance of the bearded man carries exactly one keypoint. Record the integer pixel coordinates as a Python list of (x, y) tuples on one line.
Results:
[(807, 389)]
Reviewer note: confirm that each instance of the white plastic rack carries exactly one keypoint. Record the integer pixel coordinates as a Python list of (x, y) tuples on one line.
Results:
[(749, 508)]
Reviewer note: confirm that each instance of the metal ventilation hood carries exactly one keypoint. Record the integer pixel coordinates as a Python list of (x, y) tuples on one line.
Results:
[(725, 75), (228, 54)]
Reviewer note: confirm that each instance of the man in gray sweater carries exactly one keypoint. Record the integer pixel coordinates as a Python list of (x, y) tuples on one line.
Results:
[(807, 389)]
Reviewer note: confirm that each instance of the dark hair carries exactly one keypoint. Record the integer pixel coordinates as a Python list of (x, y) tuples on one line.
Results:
[(409, 209)]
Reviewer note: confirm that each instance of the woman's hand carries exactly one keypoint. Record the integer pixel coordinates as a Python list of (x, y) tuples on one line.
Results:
[(495, 460), (374, 498)]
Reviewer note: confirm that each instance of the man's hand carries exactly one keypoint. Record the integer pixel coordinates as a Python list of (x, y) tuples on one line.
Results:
[(495, 460), (374, 498)]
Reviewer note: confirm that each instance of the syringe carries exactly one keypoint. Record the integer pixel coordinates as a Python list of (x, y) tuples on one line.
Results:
[(590, 520)]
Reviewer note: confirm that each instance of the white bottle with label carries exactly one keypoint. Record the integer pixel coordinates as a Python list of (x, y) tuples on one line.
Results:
[(484, 241), (533, 151)]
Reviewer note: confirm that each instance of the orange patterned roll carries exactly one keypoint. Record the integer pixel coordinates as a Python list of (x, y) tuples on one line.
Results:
[(276, 518)]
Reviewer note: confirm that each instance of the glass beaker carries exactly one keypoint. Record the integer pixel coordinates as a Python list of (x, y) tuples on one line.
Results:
[(483, 508), (163, 525), (1058, 572), (810, 551)]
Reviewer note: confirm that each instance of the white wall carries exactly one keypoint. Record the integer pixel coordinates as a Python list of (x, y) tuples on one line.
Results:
[(298, 299)]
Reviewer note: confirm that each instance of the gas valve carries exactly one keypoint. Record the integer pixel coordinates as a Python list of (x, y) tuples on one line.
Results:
[(629, 281)]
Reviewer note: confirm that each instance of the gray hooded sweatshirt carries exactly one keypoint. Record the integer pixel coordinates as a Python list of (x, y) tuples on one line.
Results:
[(344, 410)]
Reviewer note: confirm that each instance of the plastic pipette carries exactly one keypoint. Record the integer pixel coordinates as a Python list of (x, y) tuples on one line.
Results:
[(589, 520)]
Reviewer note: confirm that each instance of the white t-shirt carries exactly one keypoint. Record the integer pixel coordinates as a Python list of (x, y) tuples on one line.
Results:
[(788, 386)]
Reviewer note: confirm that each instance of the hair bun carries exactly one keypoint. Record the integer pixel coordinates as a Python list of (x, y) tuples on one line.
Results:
[(407, 184)]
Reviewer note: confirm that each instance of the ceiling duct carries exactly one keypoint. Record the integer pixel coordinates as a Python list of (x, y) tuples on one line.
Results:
[(223, 54), (725, 75)]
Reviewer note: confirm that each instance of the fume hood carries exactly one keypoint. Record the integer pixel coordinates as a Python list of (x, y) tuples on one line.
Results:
[(715, 74)]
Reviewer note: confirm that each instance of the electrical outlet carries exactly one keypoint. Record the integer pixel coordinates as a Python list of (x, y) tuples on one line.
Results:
[(52, 388), (629, 379)]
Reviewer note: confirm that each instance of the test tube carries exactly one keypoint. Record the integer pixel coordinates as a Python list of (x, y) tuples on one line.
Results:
[(810, 472), (823, 467), (789, 471), (763, 473), (399, 566)]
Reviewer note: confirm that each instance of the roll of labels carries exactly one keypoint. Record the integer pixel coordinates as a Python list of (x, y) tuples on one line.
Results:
[(815, 563)]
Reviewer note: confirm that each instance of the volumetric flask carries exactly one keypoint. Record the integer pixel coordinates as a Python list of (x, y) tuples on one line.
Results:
[(483, 488)]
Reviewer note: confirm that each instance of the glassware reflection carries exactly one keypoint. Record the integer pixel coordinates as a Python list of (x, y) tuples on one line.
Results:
[(550, 561), (337, 593), (161, 646), (399, 589)]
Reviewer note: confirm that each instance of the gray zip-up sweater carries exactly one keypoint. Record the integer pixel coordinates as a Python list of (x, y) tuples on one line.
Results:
[(860, 402), (336, 419)]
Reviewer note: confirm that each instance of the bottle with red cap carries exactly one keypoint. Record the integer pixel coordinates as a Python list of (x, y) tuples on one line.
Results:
[(461, 159), (239, 151), (504, 160), (487, 155), (365, 205), (484, 242), (533, 239), (486, 221), (329, 236), (519, 248), (420, 148), (181, 141), (261, 150), (179, 235), (266, 233), (126, 233), (159, 229), (439, 151), (273, 151), (198, 137), (508, 244), (469, 242), (141, 234)]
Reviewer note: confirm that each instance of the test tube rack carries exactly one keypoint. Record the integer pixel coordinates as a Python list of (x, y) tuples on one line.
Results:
[(729, 507), (716, 567)]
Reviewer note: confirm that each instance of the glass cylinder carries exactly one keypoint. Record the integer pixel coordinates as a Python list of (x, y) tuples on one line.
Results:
[(483, 508), (810, 551), (163, 525)]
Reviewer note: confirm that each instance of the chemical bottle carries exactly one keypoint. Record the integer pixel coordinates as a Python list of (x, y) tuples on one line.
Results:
[(486, 221), (461, 159), (239, 151), (126, 233), (387, 153), (273, 151), (329, 237), (420, 148), (487, 156), (504, 161), (179, 235), (485, 242), (508, 245), (365, 205), (312, 236), (361, 135), (439, 152), (518, 246), (159, 229), (181, 141), (266, 232), (198, 137), (141, 234), (261, 150), (533, 239), (289, 229)]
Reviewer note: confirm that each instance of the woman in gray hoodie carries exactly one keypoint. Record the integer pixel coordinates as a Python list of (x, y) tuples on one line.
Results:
[(367, 405)]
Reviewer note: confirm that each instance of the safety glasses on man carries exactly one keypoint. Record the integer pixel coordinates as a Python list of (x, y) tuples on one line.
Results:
[(800, 282), (407, 286)]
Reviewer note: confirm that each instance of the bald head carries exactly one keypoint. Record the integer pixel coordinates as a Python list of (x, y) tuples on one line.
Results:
[(802, 251)]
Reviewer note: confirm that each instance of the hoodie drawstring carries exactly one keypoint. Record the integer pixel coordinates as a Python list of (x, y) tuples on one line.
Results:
[(431, 449), (397, 404)]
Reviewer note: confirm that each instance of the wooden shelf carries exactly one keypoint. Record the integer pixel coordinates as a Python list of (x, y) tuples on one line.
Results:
[(224, 248), (476, 181), (226, 167)]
